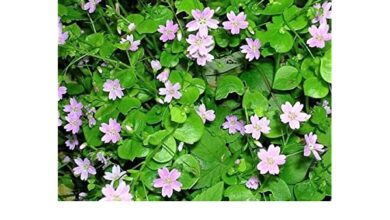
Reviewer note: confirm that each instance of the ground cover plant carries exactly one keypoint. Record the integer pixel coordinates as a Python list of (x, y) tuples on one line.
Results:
[(194, 100)]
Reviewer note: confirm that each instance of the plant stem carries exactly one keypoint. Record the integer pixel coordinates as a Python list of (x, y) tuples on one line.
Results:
[(93, 25)]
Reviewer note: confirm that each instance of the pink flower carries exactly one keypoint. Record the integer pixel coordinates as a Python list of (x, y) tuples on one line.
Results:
[(293, 115), (270, 160), (168, 31), (114, 88), (319, 36), (235, 23), (322, 12), (101, 158), (252, 183), (62, 36), (133, 43), (206, 115), (116, 174), (91, 6), (170, 91), (74, 107), (61, 91), (74, 123), (327, 108), (163, 76), (111, 131), (156, 65), (312, 146), (168, 181), (257, 127), (72, 142), (121, 193), (199, 44), (233, 124), (83, 169), (203, 20), (251, 49)]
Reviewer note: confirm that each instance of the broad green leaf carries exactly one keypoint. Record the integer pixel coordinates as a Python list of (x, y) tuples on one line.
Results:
[(229, 84), (157, 137), (212, 153), (275, 125), (306, 191), (135, 18), (326, 66), (127, 103), (278, 188), (191, 131), (126, 77), (168, 60), (259, 77), (295, 168), (155, 114), (295, 22), (213, 193), (286, 78), (95, 40), (107, 111), (187, 6), (74, 88), (92, 135), (315, 88), (276, 7), (168, 150), (131, 149), (178, 115), (239, 193), (189, 95), (189, 168), (147, 26), (318, 115), (255, 101)]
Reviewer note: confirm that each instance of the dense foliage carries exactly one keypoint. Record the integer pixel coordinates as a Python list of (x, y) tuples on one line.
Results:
[(194, 100)]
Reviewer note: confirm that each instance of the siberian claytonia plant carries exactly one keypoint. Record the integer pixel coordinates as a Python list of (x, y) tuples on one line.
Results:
[(194, 100)]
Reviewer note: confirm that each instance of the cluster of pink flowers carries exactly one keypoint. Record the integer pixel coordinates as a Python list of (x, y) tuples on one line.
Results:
[(111, 131), (121, 193), (201, 44), (168, 181), (205, 115), (113, 88), (74, 110), (320, 34)]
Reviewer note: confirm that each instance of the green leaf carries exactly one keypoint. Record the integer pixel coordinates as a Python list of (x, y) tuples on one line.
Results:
[(147, 26), (157, 137), (135, 18), (131, 149), (187, 6), (275, 125), (126, 77), (295, 168), (315, 88), (306, 191), (168, 60), (189, 168), (155, 114), (239, 193), (107, 49), (326, 66), (296, 23), (96, 40), (286, 78), (127, 103), (189, 95), (259, 77), (92, 135), (106, 112), (178, 115), (167, 151), (212, 153), (160, 14), (255, 101), (318, 115), (278, 188), (191, 131), (277, 35), (276, 7), (213, 193), (229, 84), (74, 88)]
